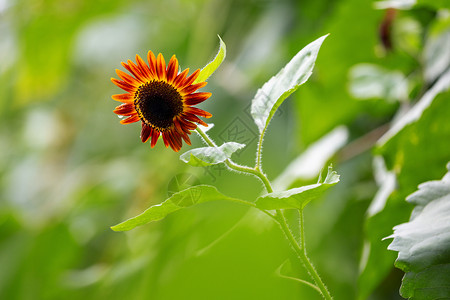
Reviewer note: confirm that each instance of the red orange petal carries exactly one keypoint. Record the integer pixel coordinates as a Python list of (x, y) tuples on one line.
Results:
[(180, 78), (187, 124), (131, 119), (172, 69), (125, 98), (196, 98), (138, 75), (152, 63), (126, 109), (165, 138), (192, 88), (155, 136), (194, 118), (186, 138), (190, 79), (145, 132), (123, 85), (143, 67), (161, 67), (127, 78), (175, 140), (199, 112)]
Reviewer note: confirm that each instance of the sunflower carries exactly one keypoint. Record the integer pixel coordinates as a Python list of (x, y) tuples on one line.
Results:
[(162, 99)]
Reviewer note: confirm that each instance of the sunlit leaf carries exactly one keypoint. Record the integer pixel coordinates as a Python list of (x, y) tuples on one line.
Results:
[(436, 53), (415, 153), (279, 87), (214, 64), (186, 198), (308, 164), (371, 81), (297, 198), (415, 113), (423, 244), (207, 156)]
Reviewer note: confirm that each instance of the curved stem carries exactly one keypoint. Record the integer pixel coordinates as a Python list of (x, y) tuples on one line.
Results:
[(300, 250), (278, 272), (234, 166), (205, 137), (279, 217)]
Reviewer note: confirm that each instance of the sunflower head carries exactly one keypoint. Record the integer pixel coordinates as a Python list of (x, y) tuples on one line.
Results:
[(162, 98)]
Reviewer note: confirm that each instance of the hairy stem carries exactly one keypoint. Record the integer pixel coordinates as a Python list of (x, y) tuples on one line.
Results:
[(237, 167), (279, 216)]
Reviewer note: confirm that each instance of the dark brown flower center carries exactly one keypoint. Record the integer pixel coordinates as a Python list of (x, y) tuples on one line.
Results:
[(157, 103)]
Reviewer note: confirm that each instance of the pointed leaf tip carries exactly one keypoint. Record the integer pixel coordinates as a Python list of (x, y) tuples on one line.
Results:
[(297, 198), (209, 69), (278, 88)]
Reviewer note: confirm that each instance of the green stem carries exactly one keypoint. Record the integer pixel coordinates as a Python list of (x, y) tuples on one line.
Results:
[(307, 262), (279, 217), (300, 250), (234, 166), (258, 152)]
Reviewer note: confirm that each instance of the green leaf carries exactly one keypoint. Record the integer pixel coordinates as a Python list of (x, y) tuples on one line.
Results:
[(207, 156), (279, 87), (423, 244), (214, 64), (297, 198), (310, 163), (368, 81), (436, 54), (415, 113), (186, 198)]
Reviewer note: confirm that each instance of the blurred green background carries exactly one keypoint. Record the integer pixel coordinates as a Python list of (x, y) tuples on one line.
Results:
[(69, 170)]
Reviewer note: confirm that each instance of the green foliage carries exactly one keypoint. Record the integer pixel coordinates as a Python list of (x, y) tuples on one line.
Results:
[(370, 81), (68, 170), (297, 198), (423, 244), (209, 69), (183, 199), (278, 88), (207, 156)]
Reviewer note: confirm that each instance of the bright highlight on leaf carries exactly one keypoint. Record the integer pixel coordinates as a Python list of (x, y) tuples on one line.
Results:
[(214, 64), (186, 198), (423, 244), (207, 156), (279, 87), (297, 198)]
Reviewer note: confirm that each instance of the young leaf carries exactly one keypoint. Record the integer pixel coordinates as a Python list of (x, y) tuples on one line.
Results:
[(297, 198), (207, 156), (423, 244), (279, 87), (214, 64), (186, 198)]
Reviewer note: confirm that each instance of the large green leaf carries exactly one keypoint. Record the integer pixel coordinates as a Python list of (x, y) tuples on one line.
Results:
[(415, 151), (297, 198), (186, 198), (214, 64), (278, 88), (207, 156), (423, 244)]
